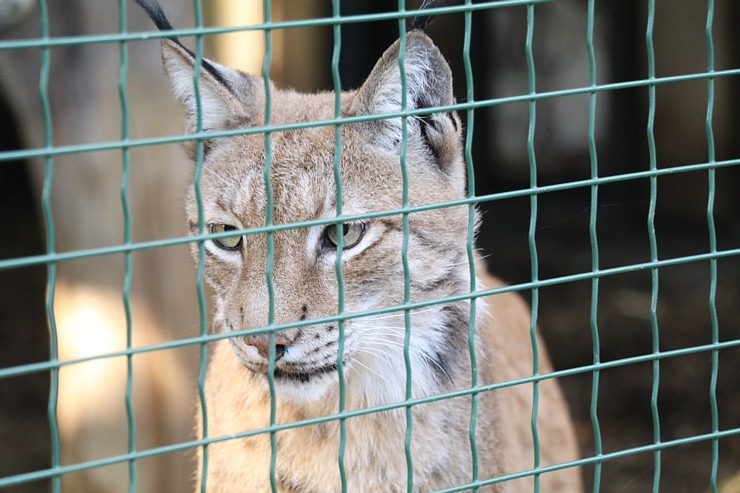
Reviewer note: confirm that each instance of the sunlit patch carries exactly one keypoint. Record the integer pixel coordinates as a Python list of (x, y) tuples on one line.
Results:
[(91, 412)]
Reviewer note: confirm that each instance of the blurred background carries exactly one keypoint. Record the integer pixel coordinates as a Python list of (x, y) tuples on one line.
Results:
[(86, 108)]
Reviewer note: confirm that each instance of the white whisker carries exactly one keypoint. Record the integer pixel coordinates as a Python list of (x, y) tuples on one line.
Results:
[(359, 363), (400, 313), (216, 175), (412, 351)]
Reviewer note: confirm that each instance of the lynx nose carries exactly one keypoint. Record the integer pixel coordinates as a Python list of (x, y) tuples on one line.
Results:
[(262, 343)]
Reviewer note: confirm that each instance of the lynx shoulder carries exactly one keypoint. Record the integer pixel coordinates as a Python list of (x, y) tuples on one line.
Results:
[(304, 285)]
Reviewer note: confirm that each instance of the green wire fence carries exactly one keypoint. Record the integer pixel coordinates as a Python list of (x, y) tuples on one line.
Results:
[(596, 456)]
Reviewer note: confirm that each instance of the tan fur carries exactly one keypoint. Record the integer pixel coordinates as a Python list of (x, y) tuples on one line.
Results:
[(305, 286), (375, 442)]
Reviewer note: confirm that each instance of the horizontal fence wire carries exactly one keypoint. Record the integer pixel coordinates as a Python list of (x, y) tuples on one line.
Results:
[(483, 103), (127, 247), (44, 366), (141, 454), (179, 240), (266, 26)]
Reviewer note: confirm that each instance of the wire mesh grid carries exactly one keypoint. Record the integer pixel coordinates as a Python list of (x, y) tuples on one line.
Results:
[(658, 446)]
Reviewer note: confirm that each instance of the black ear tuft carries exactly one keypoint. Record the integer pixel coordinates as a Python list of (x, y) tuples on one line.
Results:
[(159, 18), (421, 22), (154, 10), (226, 97)]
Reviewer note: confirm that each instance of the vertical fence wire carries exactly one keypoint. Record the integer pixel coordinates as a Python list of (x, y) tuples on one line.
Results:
[(711, 187), (50, 246), (533, 201), (336, 52), (470, 96), (405, 245), (270, 237), (55, 472), (653, 244), (126, 209), (593, 321), (201, 261)]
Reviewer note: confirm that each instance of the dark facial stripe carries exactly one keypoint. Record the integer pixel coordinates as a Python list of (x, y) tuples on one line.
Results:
[(455, 324), (429, 242), (443, 283)]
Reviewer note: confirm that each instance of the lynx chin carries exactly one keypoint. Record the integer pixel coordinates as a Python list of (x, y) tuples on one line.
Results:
[(305, 287)]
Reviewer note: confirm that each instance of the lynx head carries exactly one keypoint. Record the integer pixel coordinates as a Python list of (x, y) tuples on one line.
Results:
[(302, 263)]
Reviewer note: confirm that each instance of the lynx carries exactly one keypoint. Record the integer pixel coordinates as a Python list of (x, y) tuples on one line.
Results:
[(304, 286)]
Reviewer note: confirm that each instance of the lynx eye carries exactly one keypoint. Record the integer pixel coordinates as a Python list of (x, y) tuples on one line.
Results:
[(229, 242), (352, 233)]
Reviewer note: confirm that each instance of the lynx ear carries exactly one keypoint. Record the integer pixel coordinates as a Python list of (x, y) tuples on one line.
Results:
[(428, 84), (228, 97)]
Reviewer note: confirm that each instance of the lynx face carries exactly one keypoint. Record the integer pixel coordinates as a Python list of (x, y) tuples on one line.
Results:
[(303, 272)]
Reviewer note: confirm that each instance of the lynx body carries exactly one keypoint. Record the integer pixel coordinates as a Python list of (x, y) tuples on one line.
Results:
[(304, 286)]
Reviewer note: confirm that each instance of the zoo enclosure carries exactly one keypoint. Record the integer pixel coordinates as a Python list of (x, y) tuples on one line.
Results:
[(534, 192)]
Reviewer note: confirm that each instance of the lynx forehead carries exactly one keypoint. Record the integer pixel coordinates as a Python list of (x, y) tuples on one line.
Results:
[(304, 287)]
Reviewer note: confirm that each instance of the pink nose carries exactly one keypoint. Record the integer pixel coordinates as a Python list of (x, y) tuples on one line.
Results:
[(262, 343)]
